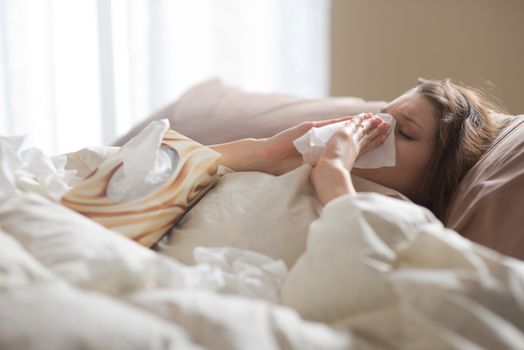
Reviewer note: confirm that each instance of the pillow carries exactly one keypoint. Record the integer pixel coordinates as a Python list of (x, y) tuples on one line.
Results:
[(212, 112), (249, 210), (256, 211), (164, 113), (488, 204)]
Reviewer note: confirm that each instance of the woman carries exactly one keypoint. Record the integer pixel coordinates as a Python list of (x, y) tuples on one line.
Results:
[(442, 129)]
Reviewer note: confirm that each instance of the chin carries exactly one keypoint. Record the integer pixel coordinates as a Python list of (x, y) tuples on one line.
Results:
[(388, 177), (383, 176), (376, 175)]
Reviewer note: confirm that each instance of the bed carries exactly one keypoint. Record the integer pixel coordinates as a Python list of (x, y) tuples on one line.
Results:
[(369, 271)]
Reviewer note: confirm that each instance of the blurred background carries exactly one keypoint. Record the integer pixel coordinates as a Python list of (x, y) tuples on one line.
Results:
[(380, 47), (82, 72)]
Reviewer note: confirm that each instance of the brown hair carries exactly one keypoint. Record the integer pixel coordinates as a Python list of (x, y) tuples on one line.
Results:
[(465, 131)]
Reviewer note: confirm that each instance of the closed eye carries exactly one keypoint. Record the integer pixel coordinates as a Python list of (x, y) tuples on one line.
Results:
[(403, 135)]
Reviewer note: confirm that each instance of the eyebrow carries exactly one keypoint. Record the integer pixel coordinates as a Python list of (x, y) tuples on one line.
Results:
[(411, 120), (405, 117)]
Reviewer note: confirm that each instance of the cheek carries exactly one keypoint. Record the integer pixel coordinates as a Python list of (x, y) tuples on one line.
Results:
[(412, 158), (407, 174)]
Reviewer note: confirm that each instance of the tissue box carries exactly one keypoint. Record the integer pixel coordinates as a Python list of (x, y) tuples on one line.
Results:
[(148, 218)]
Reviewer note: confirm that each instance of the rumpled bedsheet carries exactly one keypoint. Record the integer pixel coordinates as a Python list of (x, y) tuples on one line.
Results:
[(376, 273), (389, 272), (68, 283)]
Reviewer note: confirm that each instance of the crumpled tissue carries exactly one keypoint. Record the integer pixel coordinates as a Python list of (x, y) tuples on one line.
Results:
[(311, 144), (243, 272), (145, 165), (31, 170)]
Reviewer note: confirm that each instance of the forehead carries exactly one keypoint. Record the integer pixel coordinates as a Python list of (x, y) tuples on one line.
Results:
[(415, 106)]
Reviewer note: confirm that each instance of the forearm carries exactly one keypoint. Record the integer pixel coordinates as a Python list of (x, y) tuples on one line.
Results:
[(242, 155), (331, 180)]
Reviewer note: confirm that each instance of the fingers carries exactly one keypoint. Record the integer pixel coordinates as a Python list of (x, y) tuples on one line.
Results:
[(358, 117), (361, 134), (368, 125), (368, 132), (375, 137), (363, 129), (377, 128), (319, 124), (365, 125)]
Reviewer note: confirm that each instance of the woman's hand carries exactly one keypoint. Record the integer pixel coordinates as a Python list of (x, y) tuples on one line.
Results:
[(275, 155), (331, 175), (280, 155)]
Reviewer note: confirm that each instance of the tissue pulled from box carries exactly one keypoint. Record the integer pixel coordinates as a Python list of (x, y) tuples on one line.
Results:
[(145, 164), (311, 144)]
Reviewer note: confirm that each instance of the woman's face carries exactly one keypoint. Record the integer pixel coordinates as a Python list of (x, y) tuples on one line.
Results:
[(415, 136)]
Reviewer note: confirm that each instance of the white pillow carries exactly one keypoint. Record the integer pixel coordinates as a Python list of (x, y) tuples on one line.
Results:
[(249, 210), (255, 211)]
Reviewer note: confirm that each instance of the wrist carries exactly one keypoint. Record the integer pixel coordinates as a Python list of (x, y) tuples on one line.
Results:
[(259, 154), (242, 155), (331, 179)]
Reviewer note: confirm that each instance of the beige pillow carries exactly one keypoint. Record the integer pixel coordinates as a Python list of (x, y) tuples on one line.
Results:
[(488, 206), (164, 113), (255, 211), (212, 112)]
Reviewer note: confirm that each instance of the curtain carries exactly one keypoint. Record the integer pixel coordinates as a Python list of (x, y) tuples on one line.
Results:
[(75, 73)]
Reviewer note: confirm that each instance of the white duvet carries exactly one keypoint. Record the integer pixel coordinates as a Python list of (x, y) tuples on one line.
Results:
[(375, 273)]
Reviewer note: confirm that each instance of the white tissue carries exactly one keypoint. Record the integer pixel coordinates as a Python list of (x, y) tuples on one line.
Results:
[(311, 144), (145, 166), (31, 170)]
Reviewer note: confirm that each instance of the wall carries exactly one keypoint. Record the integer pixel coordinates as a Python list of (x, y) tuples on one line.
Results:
[(380, 47)]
